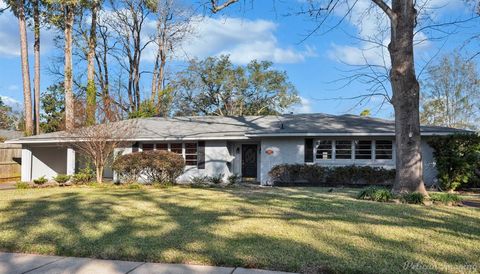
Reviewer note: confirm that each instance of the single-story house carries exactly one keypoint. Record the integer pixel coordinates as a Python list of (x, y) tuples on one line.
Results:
[(248, 146)]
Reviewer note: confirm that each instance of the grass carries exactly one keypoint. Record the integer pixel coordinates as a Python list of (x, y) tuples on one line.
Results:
[(290, 229)]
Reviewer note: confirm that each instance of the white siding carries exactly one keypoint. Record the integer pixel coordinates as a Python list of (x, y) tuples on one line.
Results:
[(48, 162), (216, 158), (429, 166), (285, 151)]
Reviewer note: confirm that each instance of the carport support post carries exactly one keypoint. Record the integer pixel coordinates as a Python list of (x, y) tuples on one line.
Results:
[(70, 161), (26, 165)]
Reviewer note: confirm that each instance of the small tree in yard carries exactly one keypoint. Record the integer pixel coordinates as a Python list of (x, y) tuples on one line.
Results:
[(97, 143)]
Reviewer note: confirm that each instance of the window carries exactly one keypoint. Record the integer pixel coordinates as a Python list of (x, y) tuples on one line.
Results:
[(383, 149), (146, 147), (324, 150), (191, 154), (363, 149), (162, 146), (176, 147), (343, 150)]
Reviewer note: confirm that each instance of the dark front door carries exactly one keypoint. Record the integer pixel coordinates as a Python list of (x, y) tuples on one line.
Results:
[(249, 161)]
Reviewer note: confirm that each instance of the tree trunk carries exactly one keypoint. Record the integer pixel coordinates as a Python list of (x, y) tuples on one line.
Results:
[(27, 96), (91, 88), (68, 77), (99, 173), (154, 80), (36, 53), (406, 99)]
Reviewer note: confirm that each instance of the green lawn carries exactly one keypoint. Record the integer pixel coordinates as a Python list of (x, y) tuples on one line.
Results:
[(292, 229)]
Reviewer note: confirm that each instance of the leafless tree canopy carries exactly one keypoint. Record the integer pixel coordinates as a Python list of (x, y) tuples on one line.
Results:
[(97, 143)]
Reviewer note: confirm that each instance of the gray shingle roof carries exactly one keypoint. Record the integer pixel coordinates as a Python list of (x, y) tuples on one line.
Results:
[(10, 134), (216, 127)]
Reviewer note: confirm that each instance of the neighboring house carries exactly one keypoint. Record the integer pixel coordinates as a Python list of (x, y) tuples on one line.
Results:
[(10, 134), (248, 146)]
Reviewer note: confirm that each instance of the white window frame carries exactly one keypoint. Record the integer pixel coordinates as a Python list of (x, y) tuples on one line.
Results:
[(352, 160), (169, 148)]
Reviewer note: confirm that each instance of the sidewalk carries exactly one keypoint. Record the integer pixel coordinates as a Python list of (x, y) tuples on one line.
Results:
[(13, 263)]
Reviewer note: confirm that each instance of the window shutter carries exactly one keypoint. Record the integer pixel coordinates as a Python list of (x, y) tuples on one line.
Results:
[(201, 155), (308, 150), (135, 147)]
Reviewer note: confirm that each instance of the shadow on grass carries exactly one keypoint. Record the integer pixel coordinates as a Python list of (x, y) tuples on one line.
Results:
[(290, 230)]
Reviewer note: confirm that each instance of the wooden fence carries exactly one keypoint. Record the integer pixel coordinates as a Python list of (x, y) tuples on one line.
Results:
[(10, 162)]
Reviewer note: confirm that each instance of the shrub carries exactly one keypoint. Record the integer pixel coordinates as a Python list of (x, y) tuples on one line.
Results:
[(129, 166), (233, 179), (216, 179), (290, 173), (363, 175), (157, 166), (40, 181), (22, 185), (378, 194), (445, 198), (84, 176), (346, 175), (413, 198), (61, 178), (457, 160), (199, 180)]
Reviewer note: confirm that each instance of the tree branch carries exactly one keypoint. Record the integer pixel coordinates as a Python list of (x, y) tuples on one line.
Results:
[(216, 7), (381, 4)]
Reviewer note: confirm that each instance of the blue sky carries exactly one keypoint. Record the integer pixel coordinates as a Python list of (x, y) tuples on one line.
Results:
[(262, 30)]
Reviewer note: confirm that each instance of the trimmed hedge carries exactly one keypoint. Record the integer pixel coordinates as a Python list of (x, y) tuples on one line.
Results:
[(156, 166), (297, 174)]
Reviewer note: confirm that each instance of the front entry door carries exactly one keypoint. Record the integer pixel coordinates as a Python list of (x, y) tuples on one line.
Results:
[(249, 161)]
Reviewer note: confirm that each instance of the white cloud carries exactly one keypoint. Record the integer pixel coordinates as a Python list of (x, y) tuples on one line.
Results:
[(10, 37), (305, 106), (15, 104), (373, 25), (13, 88), (243, 39)]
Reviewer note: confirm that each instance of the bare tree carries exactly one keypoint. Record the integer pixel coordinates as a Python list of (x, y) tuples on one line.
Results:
[(97, 143), (128, 18), (173, 24)]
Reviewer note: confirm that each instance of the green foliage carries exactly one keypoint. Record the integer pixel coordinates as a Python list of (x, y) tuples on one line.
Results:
[(53, 105), (40, 181), (85, 175), (445, 198), (366, 112), (22, 185), (374, 193), (134, 186), (91, 103), (413, 198), (360, 175), (457, 160), (157, 166), (344, 175), (216, 179), (234, 179), (215, 86), (8, 118), (62, 178), (147, 109)]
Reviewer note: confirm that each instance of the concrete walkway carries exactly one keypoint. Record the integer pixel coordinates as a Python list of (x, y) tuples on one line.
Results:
[(13, 263)]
